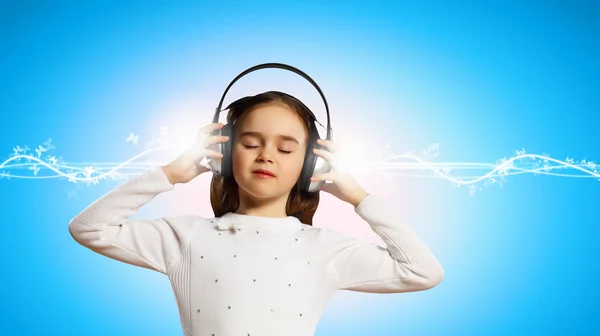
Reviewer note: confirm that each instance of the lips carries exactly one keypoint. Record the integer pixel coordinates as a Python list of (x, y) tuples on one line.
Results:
[(263, 171)]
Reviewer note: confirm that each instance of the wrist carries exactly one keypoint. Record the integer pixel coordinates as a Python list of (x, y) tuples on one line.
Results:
[(168, 171), (357, 200)]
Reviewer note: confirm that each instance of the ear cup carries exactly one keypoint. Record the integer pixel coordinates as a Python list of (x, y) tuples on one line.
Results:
[(227, 151), (321, 166), (307, 169), (222, 166), (313, 165)]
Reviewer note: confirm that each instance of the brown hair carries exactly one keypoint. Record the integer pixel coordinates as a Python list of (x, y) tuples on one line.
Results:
[(224, 194)]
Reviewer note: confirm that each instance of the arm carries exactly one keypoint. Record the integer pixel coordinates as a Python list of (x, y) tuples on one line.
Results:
[(105, 226), (406, 265)]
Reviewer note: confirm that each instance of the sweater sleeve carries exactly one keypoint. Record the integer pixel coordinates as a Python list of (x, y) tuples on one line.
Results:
[(407, 265), (106, 228)]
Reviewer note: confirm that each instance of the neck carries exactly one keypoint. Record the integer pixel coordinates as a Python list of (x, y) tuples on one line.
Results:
[(274, 207)]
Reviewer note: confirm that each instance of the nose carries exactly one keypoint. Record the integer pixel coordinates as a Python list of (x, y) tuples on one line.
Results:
[(264, 156)]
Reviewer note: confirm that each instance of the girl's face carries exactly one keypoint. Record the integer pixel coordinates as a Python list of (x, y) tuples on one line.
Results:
[(270, 137)]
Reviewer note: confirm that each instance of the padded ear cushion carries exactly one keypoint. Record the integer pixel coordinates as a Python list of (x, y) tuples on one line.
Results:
[(227, 151), (310, 160)]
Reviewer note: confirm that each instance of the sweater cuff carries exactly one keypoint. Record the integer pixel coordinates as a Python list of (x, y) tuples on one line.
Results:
[(161, 177), (366, 204)]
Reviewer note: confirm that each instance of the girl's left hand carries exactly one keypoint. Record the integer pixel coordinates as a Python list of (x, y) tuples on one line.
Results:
[(343, 185)]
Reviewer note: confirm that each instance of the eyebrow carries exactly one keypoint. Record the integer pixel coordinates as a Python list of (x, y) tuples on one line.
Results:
[(259, 135)]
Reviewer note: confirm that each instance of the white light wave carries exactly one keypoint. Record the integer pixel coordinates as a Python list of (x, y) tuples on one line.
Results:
[(501, 169), (72, 177), (505, 168)]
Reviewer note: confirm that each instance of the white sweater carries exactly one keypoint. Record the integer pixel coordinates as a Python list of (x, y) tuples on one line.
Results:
[(241, 275)]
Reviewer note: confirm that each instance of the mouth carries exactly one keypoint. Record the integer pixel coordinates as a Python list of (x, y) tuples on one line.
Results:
[(262, 173)]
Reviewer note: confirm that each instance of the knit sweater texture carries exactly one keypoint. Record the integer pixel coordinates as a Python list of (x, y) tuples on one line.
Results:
[(242, 275)]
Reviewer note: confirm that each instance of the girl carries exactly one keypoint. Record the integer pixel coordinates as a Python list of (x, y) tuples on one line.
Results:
[(258, 267)]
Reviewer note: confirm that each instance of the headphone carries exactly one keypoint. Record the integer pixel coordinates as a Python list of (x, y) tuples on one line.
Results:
[(313, 164)]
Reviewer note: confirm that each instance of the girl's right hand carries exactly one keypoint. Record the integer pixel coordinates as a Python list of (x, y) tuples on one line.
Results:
[(187, 166)]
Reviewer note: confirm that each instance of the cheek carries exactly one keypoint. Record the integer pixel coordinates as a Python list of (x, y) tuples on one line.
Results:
[(239, 159), (294, 166)]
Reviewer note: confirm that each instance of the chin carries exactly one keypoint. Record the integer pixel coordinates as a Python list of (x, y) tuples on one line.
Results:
[(257, 190), (260, 190)]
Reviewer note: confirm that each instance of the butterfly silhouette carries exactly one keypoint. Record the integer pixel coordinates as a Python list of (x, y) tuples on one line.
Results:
[(35, 169), (17, 150), (48, 144), (132, 138), (71, 193), (72, 177), (88, 171), (472, 190), (40, 150), (433, 147)]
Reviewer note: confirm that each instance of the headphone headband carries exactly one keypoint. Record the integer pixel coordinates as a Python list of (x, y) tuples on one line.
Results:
[(279, 66)]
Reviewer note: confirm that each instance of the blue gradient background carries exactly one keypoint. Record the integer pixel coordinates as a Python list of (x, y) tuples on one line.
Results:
[(483, 80)]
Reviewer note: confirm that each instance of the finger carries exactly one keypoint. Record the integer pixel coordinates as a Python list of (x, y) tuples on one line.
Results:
[(324, 177), (212, 154), (330, 145), (328, 156), (215, 139), (208, 129), (331, 158), (200, 152)]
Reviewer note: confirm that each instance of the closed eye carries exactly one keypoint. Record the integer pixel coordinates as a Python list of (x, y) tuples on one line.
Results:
[(281, 150)]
